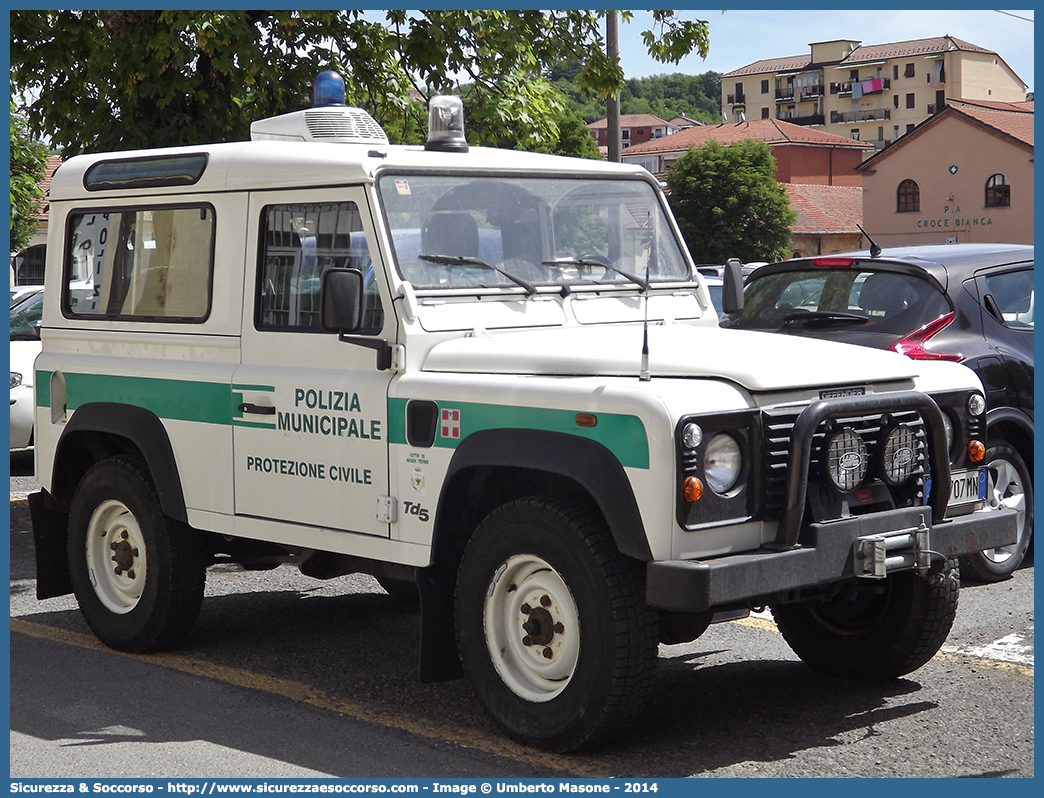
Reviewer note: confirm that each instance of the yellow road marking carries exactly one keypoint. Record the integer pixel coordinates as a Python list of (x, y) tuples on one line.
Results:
[(306, 694)]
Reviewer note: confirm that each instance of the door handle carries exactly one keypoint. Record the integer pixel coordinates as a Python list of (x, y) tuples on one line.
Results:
[(261, 410)]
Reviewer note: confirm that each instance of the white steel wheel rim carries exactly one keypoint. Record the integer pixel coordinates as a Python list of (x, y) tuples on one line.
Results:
[(116, 561), (1006, 490), (532, 628)]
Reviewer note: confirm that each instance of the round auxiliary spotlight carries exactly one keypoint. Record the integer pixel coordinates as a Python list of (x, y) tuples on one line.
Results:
[(846, 459), (898, 455)]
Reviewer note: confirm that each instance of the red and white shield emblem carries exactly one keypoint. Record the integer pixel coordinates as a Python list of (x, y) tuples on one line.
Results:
[(451, 424)]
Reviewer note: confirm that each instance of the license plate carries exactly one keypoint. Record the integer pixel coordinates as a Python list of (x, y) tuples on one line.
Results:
[(966, 487)]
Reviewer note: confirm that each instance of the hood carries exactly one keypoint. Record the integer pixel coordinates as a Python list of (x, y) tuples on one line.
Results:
[(758, 361)]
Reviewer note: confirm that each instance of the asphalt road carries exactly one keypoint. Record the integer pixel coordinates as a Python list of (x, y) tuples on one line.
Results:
[(285, 676)]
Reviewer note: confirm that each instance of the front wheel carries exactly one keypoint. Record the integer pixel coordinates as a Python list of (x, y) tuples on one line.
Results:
[(138, 575), (1009, 485), (552, 626), (876, 630)]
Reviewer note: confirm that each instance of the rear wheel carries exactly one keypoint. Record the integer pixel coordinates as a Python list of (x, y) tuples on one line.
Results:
[(552, 626), (879, 630), (138, 575), (1009, 485)]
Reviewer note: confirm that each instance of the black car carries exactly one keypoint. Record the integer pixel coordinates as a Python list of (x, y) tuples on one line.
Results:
[(969, 303)]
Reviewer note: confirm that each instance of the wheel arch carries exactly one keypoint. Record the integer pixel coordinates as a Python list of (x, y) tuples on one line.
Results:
[(1015, 428), (103, 429), (494, 466)]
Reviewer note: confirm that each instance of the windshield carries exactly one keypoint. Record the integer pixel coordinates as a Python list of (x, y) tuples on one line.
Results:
[(26, 318), (871, 301), (501, 231)]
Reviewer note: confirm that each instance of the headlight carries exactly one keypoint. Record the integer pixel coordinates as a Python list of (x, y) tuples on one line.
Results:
[(16, 379), (722, 462), (898, 456), (846, 459), (976, 404)]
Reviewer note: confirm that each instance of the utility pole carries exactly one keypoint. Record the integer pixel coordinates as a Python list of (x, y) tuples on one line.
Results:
[(612, 103)]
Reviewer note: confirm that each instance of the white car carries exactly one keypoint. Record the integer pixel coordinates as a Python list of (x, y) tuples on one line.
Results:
[(25, 346), (21, 292)]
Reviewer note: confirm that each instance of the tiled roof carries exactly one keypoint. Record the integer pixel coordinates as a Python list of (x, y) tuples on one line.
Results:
[(863, 54), (825, 209), (632, 120), (1018, 125), (1025, 106), (936, 44), (53, 162), (770, 131), (772, 65)]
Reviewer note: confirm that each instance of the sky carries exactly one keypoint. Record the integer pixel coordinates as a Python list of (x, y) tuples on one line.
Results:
[(740, 37)]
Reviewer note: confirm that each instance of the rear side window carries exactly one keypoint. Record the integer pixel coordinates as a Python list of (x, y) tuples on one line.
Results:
[(1012, 294), (140, 263)]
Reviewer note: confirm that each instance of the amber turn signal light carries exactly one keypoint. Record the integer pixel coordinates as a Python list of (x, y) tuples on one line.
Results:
[(976, 451), (692, 489)]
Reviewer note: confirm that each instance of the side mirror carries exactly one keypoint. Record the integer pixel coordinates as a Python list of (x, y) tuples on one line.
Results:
[(732, 290), (341, 300)]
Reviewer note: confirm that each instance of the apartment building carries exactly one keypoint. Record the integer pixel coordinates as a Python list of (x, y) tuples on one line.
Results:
[(871, 93)]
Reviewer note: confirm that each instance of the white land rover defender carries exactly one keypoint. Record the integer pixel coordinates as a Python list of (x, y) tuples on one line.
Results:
[(496, 376)]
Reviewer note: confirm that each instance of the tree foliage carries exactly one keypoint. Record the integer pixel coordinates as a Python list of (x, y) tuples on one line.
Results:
[(107, 80), (28, 167), (729, 204), (666, 96)]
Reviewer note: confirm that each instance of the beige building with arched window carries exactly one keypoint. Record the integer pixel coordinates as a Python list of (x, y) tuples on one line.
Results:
[(964, 175)]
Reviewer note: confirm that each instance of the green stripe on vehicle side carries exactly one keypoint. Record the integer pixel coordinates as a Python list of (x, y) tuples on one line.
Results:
[(43, 388), (622, 435), (182, 400)]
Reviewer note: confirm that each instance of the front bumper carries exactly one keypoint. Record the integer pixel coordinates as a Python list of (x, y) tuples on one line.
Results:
[(827, 553)]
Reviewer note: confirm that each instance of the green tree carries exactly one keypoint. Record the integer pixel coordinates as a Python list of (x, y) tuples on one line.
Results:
[(28, 167), (107, 80), (729, 204)]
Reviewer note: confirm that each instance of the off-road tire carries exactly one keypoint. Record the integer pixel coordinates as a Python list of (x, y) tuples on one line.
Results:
[(115, 522), (551, 563), (890, 629)]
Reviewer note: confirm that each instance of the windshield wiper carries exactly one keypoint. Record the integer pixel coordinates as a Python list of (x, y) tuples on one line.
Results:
[(467, 260), (812, 318), (598, 262)]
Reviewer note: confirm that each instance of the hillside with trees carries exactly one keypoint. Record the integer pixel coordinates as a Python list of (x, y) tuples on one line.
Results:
[(665, 96)]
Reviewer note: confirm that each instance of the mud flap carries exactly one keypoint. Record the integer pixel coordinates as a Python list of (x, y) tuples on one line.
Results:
[(50, 528), (439, 660)]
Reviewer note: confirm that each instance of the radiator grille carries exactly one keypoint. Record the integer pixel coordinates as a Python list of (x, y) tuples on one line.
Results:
[(777, 431)]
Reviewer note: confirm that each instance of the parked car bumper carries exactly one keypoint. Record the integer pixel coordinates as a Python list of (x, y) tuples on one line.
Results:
[(21, 416)]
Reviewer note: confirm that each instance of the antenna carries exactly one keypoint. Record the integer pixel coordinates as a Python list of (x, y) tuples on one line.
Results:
[(875, 250), (644, 376)]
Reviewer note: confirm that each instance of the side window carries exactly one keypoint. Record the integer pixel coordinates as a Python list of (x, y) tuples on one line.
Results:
[(300, 242), (140, 263), (1012, 296)]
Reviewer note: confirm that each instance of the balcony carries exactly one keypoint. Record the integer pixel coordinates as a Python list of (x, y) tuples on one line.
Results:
[(872, 115), (784, 95), (810, 92), (843, 89), (737, 99), (795, 118)]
